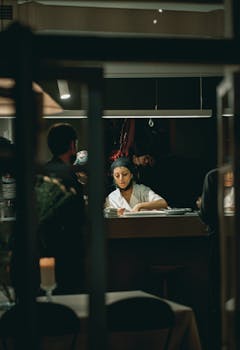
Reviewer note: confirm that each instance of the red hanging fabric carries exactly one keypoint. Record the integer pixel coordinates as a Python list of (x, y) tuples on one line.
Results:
[(126, 139), (127, 136)]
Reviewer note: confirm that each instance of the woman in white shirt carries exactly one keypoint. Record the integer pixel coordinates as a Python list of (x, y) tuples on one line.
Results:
[(129, 195)]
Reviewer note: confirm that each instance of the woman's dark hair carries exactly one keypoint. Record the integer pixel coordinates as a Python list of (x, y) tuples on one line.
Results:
[(123, 161), (59, 138)]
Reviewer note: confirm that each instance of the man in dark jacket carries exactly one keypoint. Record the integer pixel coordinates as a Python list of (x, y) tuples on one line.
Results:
[(209, 201), (63, 233), (208, 212)]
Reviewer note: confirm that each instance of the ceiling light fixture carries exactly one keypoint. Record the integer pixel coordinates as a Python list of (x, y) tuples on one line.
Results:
[(160, 113), (133, 113), (63, 89)]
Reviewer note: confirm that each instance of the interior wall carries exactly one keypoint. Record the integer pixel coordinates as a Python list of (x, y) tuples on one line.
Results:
[(182, 137), (125, 20)]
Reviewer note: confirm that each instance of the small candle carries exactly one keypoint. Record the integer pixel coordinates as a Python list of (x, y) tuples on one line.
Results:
[(47, 272)]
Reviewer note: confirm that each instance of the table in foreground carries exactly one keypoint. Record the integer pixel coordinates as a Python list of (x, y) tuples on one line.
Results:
[(185, 333)]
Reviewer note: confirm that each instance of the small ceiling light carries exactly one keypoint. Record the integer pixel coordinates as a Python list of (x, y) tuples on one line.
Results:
[(63, 89), (155, 21), (160, 10)]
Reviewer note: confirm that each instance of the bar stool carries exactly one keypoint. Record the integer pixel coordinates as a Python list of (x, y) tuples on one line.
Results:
[(164, 274)]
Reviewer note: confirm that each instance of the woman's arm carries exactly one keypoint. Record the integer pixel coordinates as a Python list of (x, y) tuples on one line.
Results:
[(158, 204)]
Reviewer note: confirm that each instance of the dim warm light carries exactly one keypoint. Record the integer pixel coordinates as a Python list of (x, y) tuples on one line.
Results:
[(47, 271)]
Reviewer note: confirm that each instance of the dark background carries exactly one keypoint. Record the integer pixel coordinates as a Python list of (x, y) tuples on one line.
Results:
[(184, 149)]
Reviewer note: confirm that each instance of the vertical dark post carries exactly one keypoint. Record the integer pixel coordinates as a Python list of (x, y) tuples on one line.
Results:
[(221, 240), (232, 29), (25, 231), (97, 325), (236, 161), (231, 18)]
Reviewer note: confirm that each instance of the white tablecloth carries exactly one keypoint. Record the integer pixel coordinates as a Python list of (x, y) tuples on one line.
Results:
[(185, 334)]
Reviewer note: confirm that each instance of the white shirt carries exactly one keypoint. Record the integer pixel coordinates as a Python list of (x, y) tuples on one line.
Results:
[(140, 194), (229, 197)]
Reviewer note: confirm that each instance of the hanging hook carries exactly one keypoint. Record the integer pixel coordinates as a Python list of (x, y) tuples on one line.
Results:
[(151, 123)]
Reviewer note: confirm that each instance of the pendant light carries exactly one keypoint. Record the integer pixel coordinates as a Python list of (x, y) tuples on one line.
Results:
[(63, 89)]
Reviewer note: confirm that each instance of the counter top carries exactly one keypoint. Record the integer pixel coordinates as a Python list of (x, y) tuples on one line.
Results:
[(159, 226)]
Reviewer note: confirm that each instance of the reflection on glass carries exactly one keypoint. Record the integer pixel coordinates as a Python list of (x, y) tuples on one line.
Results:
[(229, 193)]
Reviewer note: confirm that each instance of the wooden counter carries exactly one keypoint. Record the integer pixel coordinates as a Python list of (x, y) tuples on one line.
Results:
[(163, 226), (141, 249)]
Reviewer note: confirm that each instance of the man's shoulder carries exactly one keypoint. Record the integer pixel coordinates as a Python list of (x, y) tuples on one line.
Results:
[(63, 172), (212, 175), (54, 162), (213, 172), (56, 168)]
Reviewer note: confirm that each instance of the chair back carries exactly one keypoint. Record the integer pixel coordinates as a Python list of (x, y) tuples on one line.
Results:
[(141, 314), (53, 320)]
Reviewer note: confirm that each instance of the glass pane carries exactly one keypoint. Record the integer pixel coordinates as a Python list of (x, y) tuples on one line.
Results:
[(228, 171)]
